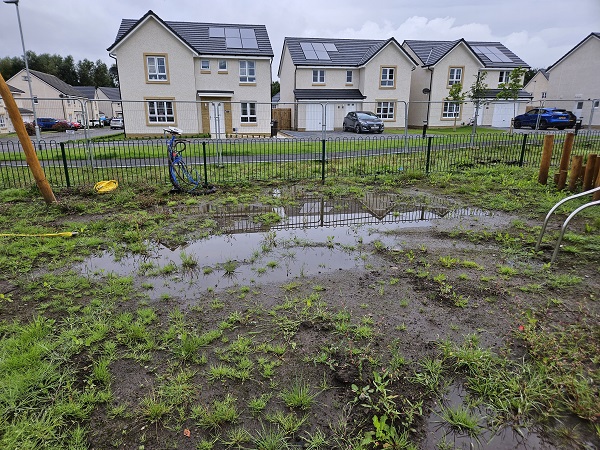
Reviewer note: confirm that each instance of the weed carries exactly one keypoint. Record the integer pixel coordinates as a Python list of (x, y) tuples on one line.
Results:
[(271, 439), (298, 395), (289, 423), (258, 404), (461, 420), (316, 440), (222, 411), (448, 261), (187, 261)]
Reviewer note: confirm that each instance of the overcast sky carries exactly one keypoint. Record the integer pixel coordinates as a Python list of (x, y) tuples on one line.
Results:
[(538, 31)]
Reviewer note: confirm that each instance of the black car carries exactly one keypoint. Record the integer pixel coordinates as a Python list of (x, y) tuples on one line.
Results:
[(363, 121)]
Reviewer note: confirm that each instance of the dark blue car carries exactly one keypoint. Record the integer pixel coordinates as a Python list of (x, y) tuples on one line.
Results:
[(46, 123), (542, 118)]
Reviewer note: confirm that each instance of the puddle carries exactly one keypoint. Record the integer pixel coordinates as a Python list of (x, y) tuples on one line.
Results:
[(314, 236), (441, 435)]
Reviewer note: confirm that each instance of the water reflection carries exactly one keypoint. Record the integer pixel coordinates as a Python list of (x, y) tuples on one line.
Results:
[(314, 235)]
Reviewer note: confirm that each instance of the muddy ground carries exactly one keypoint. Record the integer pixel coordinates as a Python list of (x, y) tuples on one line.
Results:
[(329, 311)]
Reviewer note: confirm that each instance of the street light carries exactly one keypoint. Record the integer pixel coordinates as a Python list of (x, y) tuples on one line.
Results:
[(35, 122)]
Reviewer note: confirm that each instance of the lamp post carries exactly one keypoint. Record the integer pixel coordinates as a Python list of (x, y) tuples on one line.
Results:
[(35, 122)]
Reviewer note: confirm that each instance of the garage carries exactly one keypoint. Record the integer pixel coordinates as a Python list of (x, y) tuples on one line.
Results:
[(503, 113), (314, 117)]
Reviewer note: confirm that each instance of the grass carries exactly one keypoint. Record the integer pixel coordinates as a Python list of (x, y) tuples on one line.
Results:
[(226, 363)]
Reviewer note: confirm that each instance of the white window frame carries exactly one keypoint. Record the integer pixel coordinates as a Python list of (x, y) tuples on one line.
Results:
[(386, 110), (205, 64), (156, 70), (451, 110), (596, 104), (161, 109), (318, 76), (504, 77), (247, 71), (544, 94), (388, 77), (248, 112), (349, 77), (35, 100), (454, 75), (223, 65), (2, 121)]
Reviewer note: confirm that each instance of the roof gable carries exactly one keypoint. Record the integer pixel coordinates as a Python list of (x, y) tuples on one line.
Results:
[(343, 52), (196, 36), (112, 93), (431, 52), (57, 83), (570, 52)]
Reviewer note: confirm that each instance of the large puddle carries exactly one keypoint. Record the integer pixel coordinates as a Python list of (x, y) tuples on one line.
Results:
[(314, 236)]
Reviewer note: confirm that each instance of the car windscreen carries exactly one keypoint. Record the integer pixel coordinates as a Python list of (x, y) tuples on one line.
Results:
[(366, 116)]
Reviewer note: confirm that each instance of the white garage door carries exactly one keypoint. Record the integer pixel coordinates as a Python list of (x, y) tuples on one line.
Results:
[(503, 113), (314, 117)]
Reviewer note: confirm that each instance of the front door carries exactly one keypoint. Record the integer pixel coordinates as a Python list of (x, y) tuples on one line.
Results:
[(217, 120)]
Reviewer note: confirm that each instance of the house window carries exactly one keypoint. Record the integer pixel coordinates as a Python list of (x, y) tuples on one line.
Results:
[(157, 68), (247, 72), (318, 76), (161, 111), (596, 104), (543, 95), (454, 75), (348, 76), (451, 110), (504, 76), (385, 110), (248, 112), (223, 64), (387, 76), (2, 121), (205, 64), (35, 100)]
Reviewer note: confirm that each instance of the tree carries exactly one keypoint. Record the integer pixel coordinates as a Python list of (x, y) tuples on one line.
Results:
[(275, 88), (113, 72), (101, 75), (85, 72), (529, 74), (478, 93), (510, 90), (456, 97)]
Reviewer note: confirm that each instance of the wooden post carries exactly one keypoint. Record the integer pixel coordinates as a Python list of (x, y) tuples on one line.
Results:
[(575, 171), (546, 157), (597, 184), (564, 161), (589, 172), (30, 155)]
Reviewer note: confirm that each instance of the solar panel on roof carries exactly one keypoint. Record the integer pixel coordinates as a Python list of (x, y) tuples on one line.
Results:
[(216, 32), (330, 47), (496, 51), (315, 50)]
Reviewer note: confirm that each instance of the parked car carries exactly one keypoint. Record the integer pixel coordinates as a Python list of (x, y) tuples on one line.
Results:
[(46, 123), (543, 118), (572, 118), (360, 121), (117, 123)]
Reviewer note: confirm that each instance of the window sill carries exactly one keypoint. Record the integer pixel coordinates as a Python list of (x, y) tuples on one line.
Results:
[(249, 124), (250, 83), (205, 71)]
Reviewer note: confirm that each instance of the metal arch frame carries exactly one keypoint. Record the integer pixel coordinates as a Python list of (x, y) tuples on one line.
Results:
[(567, 220)]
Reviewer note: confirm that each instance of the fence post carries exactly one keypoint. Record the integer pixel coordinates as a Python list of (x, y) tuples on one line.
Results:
[(323, 161), (546, 158), (64, 159), (205, 169), (427, 167), (523, 145)]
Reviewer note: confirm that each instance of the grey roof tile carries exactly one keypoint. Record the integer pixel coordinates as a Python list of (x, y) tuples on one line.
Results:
[(14, 89), (350, 52), (195, 34), (112, 93), (57, 84), (87, 91), (328, 94), (430, 52)]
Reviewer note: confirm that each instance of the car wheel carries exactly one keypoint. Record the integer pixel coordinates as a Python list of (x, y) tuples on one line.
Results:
[(517, 124), (543, 124), (357, 129), (561, 128)]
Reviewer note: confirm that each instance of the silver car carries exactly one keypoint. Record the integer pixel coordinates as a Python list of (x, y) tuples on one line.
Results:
[(117, 123), (362, 121)]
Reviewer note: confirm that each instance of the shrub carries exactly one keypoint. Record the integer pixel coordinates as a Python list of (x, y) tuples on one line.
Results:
[(30, 128)]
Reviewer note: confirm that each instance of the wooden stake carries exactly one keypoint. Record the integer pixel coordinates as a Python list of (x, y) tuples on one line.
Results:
[(589, 172), (546, 157), (28, 149), (564, 161), (576, 164)]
